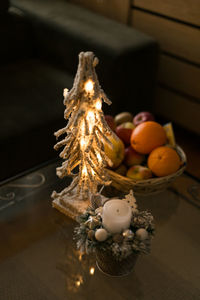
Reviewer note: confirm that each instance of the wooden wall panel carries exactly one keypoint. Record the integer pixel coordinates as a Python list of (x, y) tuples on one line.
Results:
[(174, 25), (185, 10), (179, 76), (177, 108), (173, 37), (114, 9)]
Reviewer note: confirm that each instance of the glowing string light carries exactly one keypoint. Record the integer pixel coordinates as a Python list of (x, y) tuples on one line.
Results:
[(99, 157), (91, 120), (98, 104), (83, 143), (90, 116), (84, 170), (89, 86), (65, 91)]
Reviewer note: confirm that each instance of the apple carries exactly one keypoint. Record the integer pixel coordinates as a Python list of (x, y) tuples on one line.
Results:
[(143, 116), (122, 169), (132, 157), (128, 125), (123, 117), (110, 121), (138, 172), (124, 133)]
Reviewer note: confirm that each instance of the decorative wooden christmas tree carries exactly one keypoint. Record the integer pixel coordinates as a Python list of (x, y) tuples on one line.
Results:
[(86, 131)]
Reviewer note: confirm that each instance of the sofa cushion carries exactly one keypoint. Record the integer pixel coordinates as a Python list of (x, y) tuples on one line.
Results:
[(4, 4), (15, 37), (31, 110), (127, 57)]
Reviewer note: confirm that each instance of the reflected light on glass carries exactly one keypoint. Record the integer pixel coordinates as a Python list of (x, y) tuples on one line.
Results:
[(92, 269), (79, 281)]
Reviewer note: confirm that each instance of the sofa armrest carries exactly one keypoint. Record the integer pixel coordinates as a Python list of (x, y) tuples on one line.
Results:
[(128, 58)]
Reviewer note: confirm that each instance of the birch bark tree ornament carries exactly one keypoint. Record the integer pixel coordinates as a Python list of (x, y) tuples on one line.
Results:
[(86, 132)]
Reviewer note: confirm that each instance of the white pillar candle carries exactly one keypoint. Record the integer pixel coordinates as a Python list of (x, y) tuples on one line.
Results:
[(116, 215)]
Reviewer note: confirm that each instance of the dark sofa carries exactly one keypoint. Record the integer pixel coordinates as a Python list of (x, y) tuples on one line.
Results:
[(41, 40)]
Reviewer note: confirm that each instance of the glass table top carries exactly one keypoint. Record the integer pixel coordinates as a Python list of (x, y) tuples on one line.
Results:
[(39, 260)]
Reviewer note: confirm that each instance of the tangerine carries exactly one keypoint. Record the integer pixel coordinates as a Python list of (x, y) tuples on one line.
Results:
[(163, 161), (148, 136)]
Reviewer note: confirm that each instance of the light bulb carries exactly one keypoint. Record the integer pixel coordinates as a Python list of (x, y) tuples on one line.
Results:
[(84, 170), (91, 120), (83, 143), (89, 86), (65, 91), (99, 157), (98, 104), (90, 116)]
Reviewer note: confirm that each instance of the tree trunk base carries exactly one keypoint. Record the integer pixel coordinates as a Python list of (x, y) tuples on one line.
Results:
[(70, 206)]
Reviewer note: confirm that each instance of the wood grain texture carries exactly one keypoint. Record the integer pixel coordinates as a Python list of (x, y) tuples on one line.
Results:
[(184, 10), (179, 75), (173, 37), (177, 108), (114, 9), (191, 145)]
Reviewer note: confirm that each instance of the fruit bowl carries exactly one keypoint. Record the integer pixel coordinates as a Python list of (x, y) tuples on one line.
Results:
[(148, 186)]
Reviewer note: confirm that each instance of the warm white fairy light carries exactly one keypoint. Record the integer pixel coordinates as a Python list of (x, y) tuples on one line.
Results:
[(84, 170), (89, 86), (91, 120), (65, 91), (99, 157), (91, 116), (83, 143), (98, 104)]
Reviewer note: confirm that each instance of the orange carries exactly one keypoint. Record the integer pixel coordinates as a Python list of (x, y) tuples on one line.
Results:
[(163, 161), (148, 136)]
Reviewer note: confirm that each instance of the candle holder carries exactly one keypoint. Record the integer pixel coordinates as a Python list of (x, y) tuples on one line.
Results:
[(109, 265), (117, 246)]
